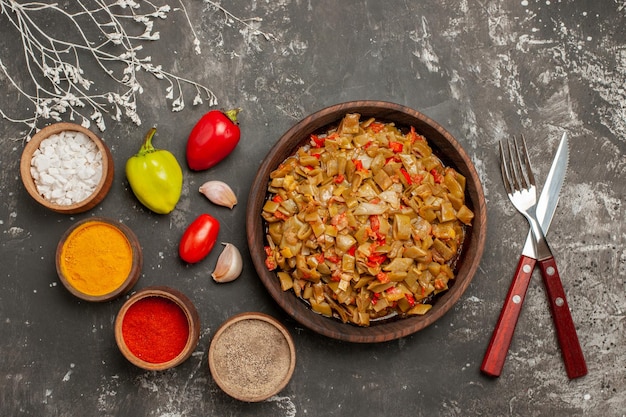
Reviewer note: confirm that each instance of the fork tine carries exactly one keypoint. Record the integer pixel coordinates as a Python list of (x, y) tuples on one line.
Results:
[(529, 168), (517, 172), (504, 167), (516, 166)]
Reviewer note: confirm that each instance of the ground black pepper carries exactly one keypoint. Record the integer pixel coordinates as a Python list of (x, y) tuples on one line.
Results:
[(252, 358)]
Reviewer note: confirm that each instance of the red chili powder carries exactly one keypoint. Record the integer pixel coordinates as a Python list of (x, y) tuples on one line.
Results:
[(155, 329)]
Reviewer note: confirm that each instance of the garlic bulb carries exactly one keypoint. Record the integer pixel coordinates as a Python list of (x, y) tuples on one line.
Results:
[(229, 264), (219, 193)]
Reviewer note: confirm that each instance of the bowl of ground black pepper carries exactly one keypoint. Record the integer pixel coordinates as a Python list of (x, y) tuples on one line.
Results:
[(252, 357), (67, 168), (98, 259), (157, 328)]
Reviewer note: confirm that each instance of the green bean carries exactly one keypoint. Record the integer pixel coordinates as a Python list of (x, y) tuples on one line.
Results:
[(365, 222)]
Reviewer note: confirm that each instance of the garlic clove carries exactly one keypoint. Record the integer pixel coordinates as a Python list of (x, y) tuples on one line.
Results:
[(229, 264), (219, 193)]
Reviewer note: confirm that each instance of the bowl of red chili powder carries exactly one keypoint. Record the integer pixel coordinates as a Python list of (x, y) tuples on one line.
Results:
[(157, 328)]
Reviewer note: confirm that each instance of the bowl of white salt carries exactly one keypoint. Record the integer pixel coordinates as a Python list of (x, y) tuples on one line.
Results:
[(67, 168)]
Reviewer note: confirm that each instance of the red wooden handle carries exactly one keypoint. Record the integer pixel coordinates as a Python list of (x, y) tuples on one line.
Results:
[(573, 357), (493, 362)]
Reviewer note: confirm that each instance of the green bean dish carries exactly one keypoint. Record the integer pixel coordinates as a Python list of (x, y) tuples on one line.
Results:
[(365, 222)]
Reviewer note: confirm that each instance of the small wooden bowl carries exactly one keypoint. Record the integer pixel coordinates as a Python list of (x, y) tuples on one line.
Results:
[(252, 357), (178, 299), (121, 233), (103, 186), (444, 146)]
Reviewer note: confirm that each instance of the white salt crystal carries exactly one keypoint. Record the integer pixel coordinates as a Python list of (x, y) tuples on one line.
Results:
[(60, 181), (85, 173), (42, 163), (92, 156), (47, 179)]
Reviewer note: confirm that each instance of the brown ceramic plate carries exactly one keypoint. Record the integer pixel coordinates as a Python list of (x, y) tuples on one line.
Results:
[(445, 147)]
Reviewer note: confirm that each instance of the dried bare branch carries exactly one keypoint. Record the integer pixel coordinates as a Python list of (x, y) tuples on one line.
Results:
[(101, 32)]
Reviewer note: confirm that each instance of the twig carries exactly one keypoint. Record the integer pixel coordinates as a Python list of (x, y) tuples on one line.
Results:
[(96, 30)]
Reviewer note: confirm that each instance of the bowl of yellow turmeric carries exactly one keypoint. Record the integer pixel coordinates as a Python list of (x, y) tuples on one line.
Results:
[(98, 259)]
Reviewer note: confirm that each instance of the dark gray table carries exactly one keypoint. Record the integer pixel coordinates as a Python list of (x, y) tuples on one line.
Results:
[(485, 70)]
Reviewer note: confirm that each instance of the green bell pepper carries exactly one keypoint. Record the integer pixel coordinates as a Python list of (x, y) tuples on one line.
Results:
[(155, 176)]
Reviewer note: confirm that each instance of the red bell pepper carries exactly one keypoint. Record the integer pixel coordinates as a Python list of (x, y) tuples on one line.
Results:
[(213, 138)]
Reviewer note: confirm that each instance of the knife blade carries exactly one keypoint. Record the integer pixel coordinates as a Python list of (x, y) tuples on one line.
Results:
[(494, 358), (549, 197)]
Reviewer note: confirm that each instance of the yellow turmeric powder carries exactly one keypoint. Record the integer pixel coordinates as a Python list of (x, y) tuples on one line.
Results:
[(96, 258)]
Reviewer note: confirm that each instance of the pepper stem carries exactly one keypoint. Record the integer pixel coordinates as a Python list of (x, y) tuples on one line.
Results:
[(232, 114), (146, 146)]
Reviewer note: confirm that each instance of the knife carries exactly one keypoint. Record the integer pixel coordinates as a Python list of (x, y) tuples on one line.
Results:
[(565, 329), (493, 362)]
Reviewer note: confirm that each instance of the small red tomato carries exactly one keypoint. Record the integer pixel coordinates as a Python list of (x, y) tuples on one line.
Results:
[(199, 238), (214, 137)]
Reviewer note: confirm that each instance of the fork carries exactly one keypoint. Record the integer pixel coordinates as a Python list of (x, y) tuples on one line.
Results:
[(519, 183)]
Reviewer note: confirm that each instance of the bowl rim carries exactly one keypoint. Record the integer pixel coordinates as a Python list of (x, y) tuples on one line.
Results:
[(225, 327), (133, 275), (101, 189), (183, 302), (443, 144)]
